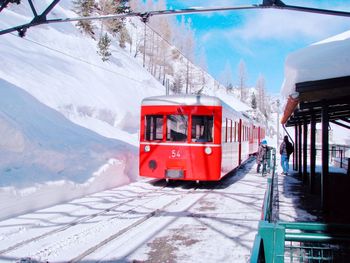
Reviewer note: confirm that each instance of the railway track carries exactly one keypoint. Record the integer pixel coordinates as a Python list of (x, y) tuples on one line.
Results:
[(123, 211), (82, 219), (98, 234), (154, 213)]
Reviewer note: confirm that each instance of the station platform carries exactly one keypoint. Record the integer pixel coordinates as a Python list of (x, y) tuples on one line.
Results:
[(296, 202)]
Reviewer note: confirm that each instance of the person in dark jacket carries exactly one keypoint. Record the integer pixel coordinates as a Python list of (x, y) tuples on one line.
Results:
[(286, 149), (262, 155)]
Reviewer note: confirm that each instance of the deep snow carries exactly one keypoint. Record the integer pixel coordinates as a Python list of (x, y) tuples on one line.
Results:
[(68, 121), (325, 59)]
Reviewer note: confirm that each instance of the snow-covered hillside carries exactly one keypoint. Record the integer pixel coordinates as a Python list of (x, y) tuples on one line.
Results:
[(68, 121)]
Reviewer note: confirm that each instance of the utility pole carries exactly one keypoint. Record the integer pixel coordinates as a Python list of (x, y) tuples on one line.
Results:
[(144, 46)]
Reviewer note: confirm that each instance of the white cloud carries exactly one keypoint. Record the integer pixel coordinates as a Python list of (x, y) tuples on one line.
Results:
[(215, 3), (224, 35), (287, 25)]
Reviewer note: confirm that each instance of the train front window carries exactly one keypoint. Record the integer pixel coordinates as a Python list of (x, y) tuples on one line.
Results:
[(154, 127), (177, 128), (202, 128)]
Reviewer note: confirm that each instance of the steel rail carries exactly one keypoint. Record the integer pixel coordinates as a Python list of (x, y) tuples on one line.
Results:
[(148, 216), (153, 213), (77, 221)]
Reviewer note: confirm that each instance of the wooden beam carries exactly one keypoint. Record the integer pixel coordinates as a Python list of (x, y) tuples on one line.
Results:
[(340, 124)]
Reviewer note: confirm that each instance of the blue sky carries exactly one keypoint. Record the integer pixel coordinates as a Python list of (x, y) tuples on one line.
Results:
[(261, 38)]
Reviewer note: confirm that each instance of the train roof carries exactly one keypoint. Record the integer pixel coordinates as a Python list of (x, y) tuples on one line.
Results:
[(190, 100), (194, 100)]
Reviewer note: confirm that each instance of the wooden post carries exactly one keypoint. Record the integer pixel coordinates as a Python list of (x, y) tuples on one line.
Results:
[(341, 158), (305, 153), (240, 142), (295, 155), (312, 174), (325, 156), (300, 133)]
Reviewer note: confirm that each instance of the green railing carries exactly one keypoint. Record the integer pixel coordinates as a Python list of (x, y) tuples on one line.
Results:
[(294, 241), (271, 168), (301, 242)]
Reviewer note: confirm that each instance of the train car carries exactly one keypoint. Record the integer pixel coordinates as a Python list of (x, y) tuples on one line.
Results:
[(192, 137), (256, 133)]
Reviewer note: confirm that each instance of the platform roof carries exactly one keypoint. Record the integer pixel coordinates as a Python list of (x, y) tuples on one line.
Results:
[(315, 95), (318, 76)]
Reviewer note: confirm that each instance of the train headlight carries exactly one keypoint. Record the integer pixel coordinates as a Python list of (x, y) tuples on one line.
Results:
[(208, 150), (147, 148)]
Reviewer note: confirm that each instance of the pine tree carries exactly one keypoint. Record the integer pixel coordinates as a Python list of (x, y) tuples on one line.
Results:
[(253, 102), (229, 88), (103, 46), (85, 8)]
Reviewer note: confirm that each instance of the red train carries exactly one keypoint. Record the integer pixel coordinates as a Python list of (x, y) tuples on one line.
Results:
[(192, 137)]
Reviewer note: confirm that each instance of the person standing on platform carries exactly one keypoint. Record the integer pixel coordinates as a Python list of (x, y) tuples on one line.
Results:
[(286, 149), (262, 156)]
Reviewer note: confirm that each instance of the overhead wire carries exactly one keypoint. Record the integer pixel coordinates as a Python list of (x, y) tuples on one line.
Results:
[(77, 58), (180, 51)]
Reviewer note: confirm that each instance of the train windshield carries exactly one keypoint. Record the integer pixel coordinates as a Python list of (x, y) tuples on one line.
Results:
[(202, 128), (154, 127), (177, 128)]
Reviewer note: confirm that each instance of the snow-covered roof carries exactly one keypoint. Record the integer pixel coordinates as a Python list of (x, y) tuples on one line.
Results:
[(326, 59)]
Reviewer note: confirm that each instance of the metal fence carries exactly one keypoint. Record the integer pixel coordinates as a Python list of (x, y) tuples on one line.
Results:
[(297, 241)]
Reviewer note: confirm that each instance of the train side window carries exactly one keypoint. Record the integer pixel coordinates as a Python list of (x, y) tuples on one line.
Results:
[(154, 127), (177, 126), (226, 127), (202, 128), (235, 133)]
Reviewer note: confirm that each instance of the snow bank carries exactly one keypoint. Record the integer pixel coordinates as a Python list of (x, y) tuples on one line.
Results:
[(68, 121), (46, 159)]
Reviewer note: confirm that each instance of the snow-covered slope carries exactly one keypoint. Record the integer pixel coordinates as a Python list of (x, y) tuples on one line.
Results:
[(68, 121), (46, 144), (50, 81)]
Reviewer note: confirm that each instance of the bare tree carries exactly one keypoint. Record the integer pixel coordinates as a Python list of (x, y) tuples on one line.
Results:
[(85, 8), (261, 100), (242, 77), (137, 6), (226, 77), (178, 83), (203, 69), (187, 47)]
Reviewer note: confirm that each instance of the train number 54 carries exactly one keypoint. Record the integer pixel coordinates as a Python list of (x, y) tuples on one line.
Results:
[(175, 154)]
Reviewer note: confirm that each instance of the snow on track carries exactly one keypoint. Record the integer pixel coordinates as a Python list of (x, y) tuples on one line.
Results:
[(146, 221)]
